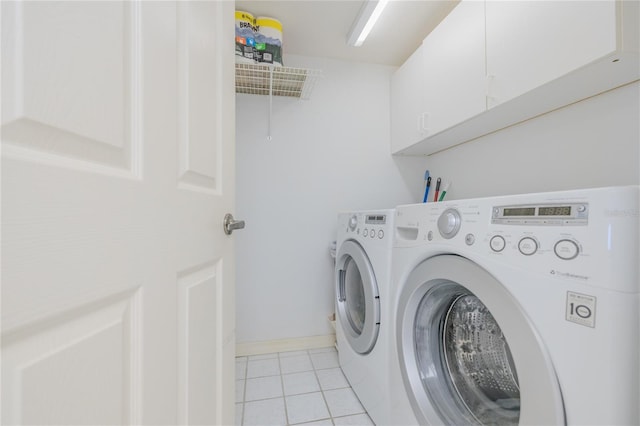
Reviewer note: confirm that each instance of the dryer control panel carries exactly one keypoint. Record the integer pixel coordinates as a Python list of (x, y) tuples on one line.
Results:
[(541, 214), (583, 236)]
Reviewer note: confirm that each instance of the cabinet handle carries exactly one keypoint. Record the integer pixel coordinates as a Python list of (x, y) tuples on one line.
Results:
[(490, 100), (424, 119)]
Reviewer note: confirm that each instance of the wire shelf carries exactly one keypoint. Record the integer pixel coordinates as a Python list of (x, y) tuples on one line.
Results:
[(276, 81)]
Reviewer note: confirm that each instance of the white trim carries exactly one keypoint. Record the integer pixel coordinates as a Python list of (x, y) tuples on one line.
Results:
[(283, 345)]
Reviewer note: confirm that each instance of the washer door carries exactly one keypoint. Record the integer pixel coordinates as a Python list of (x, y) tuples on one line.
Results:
[(358, 304), (468, 353)]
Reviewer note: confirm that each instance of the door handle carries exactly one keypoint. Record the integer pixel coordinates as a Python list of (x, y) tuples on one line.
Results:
[(230, 224)]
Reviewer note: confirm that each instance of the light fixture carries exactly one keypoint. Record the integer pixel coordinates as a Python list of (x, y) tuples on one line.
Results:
[(369, 14)]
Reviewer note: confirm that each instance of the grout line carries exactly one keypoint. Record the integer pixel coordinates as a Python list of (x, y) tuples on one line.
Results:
[(284, 398), (324, 398), (244, 391), (315, 370)]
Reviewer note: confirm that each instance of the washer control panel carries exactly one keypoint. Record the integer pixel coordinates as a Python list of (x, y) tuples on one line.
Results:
[(548, 214), (370, 226), (545, 215), (564, 246), (586, 236), (536, 231)]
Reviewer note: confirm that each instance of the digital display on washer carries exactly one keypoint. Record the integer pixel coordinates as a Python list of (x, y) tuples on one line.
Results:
[(555, 211), (544, 214), (380, 219), (519, 211)]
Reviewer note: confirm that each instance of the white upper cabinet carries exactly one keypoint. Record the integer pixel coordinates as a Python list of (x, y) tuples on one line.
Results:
[(442, 83), (407, 103), (454, 68), (491, 64), (530, 43)]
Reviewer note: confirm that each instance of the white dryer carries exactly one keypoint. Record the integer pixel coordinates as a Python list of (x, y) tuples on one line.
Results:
[(517, 310), (363, 267)]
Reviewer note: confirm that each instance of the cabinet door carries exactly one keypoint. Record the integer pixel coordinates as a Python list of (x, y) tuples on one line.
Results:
[(530, 43), (454, 68), (407, 103)]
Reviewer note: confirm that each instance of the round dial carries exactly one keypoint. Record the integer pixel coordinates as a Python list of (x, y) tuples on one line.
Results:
[(449, 223), (497, 243), (528, 246), (353, 222), (566, 249)]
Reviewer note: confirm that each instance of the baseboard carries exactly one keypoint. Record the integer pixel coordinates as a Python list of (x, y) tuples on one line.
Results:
[(284, 345)]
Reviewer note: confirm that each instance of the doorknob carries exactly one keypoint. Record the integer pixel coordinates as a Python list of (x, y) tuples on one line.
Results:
[(230, 224)]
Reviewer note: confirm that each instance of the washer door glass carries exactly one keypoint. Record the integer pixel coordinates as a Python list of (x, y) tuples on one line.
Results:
[(354, 300), (468, 351), (457, 337), (358, 304)]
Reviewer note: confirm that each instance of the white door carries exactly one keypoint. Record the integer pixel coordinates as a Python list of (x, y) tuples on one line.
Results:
[(117, 170)]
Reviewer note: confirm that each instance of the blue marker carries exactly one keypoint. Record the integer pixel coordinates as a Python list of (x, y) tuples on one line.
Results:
[(426, 189)]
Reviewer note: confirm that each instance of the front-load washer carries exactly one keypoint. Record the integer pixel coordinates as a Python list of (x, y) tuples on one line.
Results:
[(517, 310), (363, 266)]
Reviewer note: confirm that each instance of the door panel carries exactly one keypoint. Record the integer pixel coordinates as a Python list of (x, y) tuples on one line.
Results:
[(199, 115), (197, 374), (52, 105), (117, 170), (45, 355)]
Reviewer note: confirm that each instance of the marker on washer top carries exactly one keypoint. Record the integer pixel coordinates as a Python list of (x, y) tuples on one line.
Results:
[(427, 182), (426, 190), (435, 196), (444, 191)]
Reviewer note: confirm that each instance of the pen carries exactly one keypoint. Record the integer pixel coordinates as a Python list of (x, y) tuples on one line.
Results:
[(426, 191), (444, 191), (435, 197), (426, 185)]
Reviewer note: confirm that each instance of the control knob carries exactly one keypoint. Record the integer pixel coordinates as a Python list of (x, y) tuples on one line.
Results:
[(353, 222), (449, 223), (566, 249)]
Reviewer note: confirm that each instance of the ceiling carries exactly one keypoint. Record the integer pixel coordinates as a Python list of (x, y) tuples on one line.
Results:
[(320, 27)]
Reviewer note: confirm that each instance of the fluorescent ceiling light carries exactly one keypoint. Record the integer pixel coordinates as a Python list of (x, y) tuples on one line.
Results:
[(369, 14)]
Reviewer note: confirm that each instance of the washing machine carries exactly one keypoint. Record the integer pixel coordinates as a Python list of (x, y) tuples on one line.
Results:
[(517, 310), (363, 267)]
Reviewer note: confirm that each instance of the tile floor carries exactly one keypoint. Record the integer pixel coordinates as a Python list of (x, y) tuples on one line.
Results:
[(295, 388)]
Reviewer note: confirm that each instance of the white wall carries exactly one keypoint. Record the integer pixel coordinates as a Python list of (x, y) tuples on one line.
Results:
[(595, 142), (328, 154), (331, 153)]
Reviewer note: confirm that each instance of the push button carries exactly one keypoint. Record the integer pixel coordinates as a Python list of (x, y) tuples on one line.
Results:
[(469, 239), (528, 246), (566, 249), (497, 243)]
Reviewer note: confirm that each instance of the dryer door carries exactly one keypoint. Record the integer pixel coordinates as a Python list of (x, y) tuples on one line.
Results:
[(469, 354), (358, 304)]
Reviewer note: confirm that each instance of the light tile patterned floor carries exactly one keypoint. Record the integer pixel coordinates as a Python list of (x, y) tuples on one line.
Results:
[(295, 388)]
